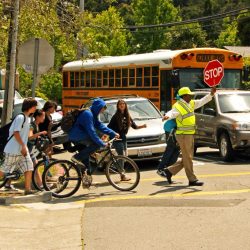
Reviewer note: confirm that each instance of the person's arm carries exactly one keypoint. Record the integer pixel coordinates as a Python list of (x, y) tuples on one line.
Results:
[(19, 140), (34, 136), (86, 120), (205, 99), (105, 130), (172, 114), (135, 126)]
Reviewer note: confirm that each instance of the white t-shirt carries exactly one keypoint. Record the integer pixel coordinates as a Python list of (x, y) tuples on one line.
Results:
[(13, 147)]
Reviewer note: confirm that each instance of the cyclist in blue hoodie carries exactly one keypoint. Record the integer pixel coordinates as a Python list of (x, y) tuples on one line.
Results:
[(84, 132)]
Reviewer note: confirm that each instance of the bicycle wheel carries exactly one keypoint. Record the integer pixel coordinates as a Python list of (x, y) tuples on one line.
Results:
[(122, 173), (38, 172), (62, 178)]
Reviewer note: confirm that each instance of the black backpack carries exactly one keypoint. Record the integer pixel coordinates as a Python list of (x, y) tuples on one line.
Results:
[(70, 118), (4, 133)]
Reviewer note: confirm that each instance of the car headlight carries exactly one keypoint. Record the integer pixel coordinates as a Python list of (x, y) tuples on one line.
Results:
[(163, 138), (241, 126)]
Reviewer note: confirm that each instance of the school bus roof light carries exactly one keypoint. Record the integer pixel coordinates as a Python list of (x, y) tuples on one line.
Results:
[(234, 57), (188, 56), (237, 57)]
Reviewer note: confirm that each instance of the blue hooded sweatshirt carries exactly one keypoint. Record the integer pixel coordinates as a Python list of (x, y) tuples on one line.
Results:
[(87, 123)]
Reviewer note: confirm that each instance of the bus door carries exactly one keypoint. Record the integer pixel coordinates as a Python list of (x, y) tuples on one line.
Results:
[(168, 87)]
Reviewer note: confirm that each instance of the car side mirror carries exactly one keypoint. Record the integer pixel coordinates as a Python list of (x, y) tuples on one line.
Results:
[(210, 111)]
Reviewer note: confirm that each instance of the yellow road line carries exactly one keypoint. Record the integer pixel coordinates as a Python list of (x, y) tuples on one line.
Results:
[(201, 193), (200, 176)]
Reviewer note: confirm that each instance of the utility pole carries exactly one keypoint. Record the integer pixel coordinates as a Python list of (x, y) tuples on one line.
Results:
[(81, 5), (11, 65)]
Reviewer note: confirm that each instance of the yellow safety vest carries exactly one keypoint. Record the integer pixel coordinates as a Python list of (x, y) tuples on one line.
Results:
[(186, 120)]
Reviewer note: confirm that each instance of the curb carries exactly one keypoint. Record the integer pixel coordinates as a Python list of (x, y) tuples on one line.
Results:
[(34, 198)]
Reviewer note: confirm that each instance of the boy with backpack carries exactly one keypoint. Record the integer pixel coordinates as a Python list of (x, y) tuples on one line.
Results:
[(84, 132), (16, 152), (172, 150)]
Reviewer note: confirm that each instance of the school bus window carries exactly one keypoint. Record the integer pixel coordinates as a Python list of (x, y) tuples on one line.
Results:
[(105, 78), (99, 78), (131, 77), (147, 74), (72, 79), (118, 77), (111, 77), (139, 77), (87, 78), (93, 78), (77, 79), (155, 76), (124, 77), (65, 79), (82, 77)]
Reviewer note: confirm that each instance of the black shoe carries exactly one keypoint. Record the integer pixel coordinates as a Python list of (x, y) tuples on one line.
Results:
[(196, 183), (168, 176)]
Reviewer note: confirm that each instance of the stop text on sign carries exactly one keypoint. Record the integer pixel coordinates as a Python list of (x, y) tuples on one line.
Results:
[(212, 73)]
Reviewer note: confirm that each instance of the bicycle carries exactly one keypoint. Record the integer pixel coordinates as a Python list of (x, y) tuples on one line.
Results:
[(66, 176)]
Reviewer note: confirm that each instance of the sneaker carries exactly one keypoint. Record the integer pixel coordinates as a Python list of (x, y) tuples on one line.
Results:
[(28, 192), (125, 177), (86, 180), (10, 188), (168, 175), (76, 161), (161, 173)]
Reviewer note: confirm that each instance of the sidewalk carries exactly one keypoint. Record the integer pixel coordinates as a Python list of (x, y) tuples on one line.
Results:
[(18, 197)]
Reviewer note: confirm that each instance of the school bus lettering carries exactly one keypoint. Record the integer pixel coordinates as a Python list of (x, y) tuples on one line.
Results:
[(209, 57)]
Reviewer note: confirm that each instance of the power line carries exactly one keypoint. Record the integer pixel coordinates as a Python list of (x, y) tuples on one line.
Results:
[(200, 19)]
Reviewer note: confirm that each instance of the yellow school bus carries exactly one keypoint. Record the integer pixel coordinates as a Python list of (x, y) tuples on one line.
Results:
[(156, 76)]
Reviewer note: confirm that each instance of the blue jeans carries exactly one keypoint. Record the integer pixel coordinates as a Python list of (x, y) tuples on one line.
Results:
[(120, 147), (171, 153), (83, 155)]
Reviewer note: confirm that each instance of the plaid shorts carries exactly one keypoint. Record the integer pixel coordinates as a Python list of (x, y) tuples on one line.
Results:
[(13, 162)]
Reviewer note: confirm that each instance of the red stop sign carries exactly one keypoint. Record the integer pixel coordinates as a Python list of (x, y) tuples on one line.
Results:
[(213, 73)]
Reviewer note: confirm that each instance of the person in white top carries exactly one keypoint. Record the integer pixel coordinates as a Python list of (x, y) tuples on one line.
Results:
[(17, 155)]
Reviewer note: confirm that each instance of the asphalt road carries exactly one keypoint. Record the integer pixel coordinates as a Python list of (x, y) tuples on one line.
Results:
[(154, 216)]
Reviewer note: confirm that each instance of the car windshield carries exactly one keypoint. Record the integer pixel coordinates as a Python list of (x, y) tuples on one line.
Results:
[(139, 110), (234, 103)]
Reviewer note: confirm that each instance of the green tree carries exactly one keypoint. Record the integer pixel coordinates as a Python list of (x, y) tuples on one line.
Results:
[(51, 86), (4, 27), (147, 13), (188, 36), (244, 30), (103, 34), (229, 34)]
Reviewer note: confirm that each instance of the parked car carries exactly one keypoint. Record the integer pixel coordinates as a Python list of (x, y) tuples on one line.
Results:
[(224, 122), (17, 95), (143, 144)]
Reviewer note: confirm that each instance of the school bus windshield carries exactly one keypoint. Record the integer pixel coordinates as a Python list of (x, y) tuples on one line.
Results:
[(193, 78)]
